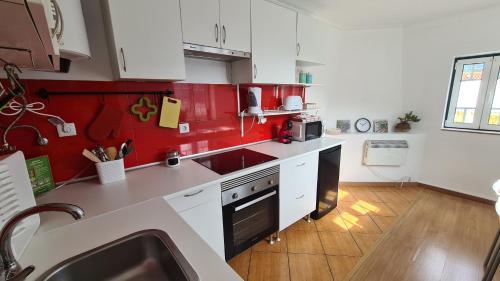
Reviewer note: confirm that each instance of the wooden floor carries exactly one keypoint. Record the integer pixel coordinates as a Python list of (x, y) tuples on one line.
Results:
[(380, 233), (442, 237), (328, 249)]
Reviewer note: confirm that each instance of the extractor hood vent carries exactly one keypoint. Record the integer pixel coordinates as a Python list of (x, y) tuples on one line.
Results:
[(211, 53)]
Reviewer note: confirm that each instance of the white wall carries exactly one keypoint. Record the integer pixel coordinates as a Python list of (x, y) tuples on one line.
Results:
[(364, 80), (368, 78), (463, 162)]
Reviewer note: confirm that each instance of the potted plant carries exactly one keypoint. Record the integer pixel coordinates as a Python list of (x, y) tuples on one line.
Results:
[(404, 122)]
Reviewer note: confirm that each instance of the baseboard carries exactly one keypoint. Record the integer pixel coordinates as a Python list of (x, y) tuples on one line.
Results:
[(377, 184), (418, 184), (459, 194)]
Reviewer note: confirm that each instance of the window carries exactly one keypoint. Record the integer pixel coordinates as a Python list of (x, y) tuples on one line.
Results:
[(474, 98)]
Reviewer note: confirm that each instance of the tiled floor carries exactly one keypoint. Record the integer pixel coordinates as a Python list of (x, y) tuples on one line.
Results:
[(328, 249)]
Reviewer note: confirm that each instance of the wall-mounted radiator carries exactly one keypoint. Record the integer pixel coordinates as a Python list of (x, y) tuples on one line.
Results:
[(385, 152)]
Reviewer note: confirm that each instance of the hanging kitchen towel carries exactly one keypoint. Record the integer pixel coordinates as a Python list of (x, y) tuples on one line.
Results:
[(170, 111)]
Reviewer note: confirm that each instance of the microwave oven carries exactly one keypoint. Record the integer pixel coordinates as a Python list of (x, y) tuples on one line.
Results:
[(306, 130)]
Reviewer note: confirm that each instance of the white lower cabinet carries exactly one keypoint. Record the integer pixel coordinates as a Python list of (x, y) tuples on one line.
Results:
[(298, 188), (201, 209)]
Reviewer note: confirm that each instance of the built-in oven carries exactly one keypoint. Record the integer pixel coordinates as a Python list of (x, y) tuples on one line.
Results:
[(250, 206)]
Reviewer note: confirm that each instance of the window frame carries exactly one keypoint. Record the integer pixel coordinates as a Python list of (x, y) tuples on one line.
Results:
[(485, 97)]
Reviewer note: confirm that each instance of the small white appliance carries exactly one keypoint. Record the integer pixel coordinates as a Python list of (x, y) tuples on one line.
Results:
[(293, 103), (254, 100)]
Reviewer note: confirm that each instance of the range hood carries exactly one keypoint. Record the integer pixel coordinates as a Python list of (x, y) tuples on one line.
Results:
[(211, 53)]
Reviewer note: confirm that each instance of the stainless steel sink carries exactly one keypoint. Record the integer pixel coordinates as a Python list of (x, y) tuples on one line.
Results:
[(142, 256)]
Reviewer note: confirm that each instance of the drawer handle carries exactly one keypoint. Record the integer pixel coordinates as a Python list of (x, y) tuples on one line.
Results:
[(301, 164), (194, 193), (300, 197)]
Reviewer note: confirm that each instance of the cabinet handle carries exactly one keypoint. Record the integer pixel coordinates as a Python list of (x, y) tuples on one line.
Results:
[(124, 61), (300, 197), (216, 32), (224, 34), (298, 49), (301, 164), (194, 193), (254, 71)]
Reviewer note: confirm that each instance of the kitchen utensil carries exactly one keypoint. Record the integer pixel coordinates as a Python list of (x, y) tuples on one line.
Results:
[(108, 122), (144, 102), (170, 112), (111, 152), (254, 100), (125, 149), (100, 153), (173, 159), (293, 103), (91, 156)]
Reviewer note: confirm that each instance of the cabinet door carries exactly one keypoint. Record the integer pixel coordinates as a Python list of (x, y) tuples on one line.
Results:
[(273, 43), (235, 22), (298, 188), (311, 34), (206, 221), (147, 39), (200, 22)]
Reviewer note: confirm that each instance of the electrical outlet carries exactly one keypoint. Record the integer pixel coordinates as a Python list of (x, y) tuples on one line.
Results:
[(183, 128), (69, 130)]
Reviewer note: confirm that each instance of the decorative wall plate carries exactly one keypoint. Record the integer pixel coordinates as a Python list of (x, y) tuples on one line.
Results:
[(144, 102)]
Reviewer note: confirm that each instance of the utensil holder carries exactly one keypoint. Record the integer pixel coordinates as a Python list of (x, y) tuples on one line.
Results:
[(110, 171)]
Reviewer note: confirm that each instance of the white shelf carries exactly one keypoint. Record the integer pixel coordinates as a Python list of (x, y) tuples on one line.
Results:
[(277, 112), (278, 85)]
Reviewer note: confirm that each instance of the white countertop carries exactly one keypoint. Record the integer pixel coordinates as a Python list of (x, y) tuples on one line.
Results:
[(119, 209)]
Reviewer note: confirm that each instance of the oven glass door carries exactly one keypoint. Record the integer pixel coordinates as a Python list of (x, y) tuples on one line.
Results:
[(314, 130), (250, 220)]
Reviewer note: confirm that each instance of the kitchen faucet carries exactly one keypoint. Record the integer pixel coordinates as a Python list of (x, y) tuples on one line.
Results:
[(10, 268)]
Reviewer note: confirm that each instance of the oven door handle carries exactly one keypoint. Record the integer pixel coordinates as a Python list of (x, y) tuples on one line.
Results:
[(250, 203)]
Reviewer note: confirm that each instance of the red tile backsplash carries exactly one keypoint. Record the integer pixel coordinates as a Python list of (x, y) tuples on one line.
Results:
[(210, 110)]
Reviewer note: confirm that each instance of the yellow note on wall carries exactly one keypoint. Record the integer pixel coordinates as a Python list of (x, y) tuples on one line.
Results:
[(170, 111)]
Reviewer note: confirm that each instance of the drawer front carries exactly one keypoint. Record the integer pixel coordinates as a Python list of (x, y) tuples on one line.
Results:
[(298, 188), (195, 197)]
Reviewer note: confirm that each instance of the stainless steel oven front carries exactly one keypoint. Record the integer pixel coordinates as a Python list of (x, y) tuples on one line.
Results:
[(250, 206)]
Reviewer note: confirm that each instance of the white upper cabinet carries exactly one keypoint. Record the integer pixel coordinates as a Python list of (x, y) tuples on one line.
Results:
[(220, 24), (201, 22), (235, 22), (146, 39), (273, 46), (311, 40)]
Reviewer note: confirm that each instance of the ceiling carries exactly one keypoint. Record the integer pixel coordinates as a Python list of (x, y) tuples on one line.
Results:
[(355, 14)]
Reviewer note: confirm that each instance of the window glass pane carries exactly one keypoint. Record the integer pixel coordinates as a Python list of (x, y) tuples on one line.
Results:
[(495, 110), (468, 94)]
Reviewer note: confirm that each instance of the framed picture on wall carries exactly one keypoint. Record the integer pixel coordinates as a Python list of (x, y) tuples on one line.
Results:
[(344, 126), (380, 126)]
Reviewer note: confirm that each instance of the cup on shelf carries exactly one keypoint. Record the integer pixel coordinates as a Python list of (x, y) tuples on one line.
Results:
[(110, 171)]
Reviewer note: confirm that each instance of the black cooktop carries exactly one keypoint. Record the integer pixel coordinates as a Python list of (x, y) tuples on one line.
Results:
[(234, 160)]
